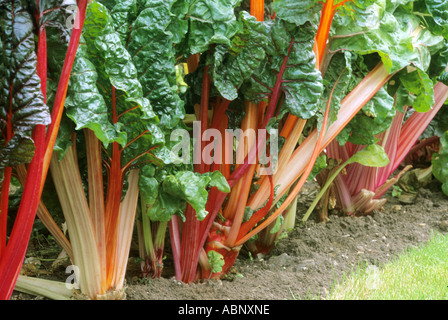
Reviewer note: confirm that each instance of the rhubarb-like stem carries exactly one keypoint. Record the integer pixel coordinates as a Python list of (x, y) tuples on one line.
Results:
[(70, 190), (126, 218), (11, 257), (190, 245), (192, 227), (45, 217), (323, 31), (203, 117), (96, 194), (240, 192), (193, 62), (343, 195), (48, 288), (59, 100), (112, 207), (390, 144), (290, 217), (257, 9), (147, 243), (113, 199), (175, 245), (270, 110), (152, 244), (417, 122)]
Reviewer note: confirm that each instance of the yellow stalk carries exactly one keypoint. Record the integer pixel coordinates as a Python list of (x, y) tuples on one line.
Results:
[(80, 226), (128, 208)]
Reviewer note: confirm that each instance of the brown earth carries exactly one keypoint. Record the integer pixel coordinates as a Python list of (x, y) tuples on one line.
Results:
[(312, 258)]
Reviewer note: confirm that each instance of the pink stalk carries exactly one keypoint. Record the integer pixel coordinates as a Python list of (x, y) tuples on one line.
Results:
[(367, 184), (417, 123)]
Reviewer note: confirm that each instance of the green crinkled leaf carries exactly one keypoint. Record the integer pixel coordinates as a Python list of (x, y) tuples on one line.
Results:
[(20, 149), (117, 67), (432, 15), (397, 37), (439, 62), (123, 13), (179, 24), (218, 180), (444, 78), (232, 66), (191, 187), (301, 81), (64, 138), (420, 85), (153, 53), (156, 203), (440, 163), (85, 104), (438, 125), (297, 12), (211, 22), (148, 185), (338, 81), (372, 155), (21, 100), (59, 15), (438, 10), (355, 9), (119, 110)]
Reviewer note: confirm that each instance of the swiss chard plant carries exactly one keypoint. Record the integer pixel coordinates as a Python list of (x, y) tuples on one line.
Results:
[(270, 87), (409, 102), (112, 157), (283, 74), (29, 128)]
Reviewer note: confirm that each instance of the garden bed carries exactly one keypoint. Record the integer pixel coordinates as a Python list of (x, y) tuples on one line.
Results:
[(305, 264)]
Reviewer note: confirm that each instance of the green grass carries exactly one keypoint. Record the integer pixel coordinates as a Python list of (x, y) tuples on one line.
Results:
[(418, 274)]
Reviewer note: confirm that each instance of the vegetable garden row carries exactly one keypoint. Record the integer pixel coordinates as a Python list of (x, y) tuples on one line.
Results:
[(138, 113)]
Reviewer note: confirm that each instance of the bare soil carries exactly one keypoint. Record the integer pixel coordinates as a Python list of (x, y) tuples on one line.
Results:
[(311, 259)]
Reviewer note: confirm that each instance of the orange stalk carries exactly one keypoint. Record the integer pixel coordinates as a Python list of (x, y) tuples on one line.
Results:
[(249, 123), (299, 166), (257, 9), (239, 194), (292, 195), (323, 31)]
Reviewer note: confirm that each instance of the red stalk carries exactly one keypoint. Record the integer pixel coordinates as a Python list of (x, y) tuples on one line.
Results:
[(203, 118), (367, 185), (192, 227), (174, 230), (257, 216), (12, 258), (59, 100), (113, 199)]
